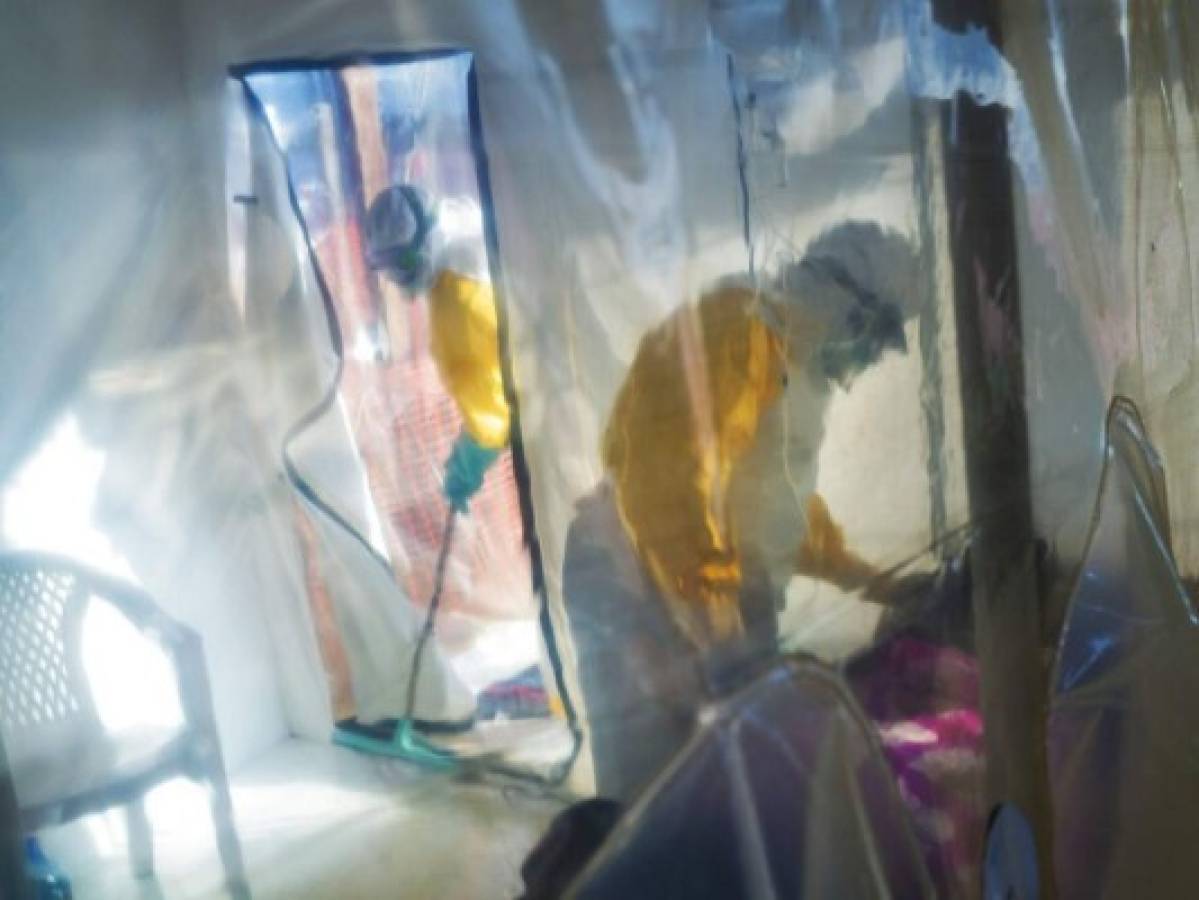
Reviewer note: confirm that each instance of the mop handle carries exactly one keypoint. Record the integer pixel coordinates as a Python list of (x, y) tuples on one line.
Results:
[(447, 539)]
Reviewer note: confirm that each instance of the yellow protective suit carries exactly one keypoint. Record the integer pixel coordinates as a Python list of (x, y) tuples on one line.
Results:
[(465, 346), (688, 411)]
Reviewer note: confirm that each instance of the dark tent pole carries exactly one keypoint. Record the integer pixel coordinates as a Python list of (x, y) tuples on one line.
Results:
[(1006, 601)]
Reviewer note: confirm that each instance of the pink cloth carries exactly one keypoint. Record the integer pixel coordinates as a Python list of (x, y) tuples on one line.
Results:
[(939, 765), (924, 701)]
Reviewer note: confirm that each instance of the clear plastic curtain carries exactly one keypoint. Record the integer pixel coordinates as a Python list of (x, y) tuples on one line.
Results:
[(671, 186)]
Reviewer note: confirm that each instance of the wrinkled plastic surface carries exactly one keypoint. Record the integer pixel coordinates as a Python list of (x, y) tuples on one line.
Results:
[(163, 332), (782, 793), (402, 388), (1121, 715)]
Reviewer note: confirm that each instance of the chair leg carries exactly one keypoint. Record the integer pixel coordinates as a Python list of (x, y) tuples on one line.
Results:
[(226, 834), (141, 839)]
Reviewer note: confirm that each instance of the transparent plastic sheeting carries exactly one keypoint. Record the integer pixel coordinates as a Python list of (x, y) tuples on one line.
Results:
[(723, 253), (1122, 721), (782, 793), (348, 133), (1124, 789)]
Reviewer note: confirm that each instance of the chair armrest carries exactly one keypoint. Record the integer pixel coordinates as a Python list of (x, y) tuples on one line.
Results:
[(139, 608), (136, 605), (181, 643)]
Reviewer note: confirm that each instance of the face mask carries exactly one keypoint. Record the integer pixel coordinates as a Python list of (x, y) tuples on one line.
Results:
[(870, 328), (398, 232)]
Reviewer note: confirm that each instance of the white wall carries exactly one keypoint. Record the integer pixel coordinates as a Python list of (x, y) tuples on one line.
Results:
[(115, 307)]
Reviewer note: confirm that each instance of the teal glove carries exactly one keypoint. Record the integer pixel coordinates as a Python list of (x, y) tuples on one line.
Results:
[(464, 470)]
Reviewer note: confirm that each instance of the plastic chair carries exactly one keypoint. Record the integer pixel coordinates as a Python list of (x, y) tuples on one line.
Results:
[(63, 761)]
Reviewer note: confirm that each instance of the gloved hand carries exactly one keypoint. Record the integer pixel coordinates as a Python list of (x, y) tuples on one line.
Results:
[(825, 555), (464, 470)]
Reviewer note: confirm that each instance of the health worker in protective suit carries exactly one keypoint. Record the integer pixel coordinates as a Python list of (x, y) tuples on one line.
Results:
[(677, 564), (404, 243)]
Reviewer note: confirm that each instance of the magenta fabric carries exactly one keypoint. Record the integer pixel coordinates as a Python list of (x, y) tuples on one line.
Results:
[(923, 698)]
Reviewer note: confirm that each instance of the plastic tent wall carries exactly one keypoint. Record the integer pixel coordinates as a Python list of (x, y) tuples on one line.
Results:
[(636, 153), (1124, 668), (790, 777)]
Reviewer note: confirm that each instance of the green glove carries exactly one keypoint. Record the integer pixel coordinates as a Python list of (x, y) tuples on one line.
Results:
[(464, 470)]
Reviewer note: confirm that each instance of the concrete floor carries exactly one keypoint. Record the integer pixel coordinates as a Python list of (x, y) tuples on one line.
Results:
[(317, 821)]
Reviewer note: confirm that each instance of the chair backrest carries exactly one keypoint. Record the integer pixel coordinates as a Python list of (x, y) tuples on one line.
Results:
[(43, 687)]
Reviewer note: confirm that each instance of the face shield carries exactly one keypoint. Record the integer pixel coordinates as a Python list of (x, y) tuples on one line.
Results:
[(399, 230), (845, 302)]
